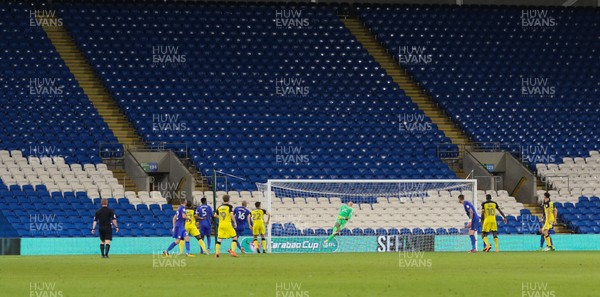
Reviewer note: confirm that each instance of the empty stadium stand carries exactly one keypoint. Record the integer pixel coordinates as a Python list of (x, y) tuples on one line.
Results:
[(574, 177), (44, 111), (509, 75), (50, 198), (229, 99), (582, 216)]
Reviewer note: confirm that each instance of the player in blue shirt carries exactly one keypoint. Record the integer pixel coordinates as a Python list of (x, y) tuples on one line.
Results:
[(474, 220), (179, 232), (242, 219), (205, 216)]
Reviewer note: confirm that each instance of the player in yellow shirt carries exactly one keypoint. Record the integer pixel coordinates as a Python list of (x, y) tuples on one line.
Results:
[(488, 216), (258, 227), (550, 214), (192, 230), (227, 226)]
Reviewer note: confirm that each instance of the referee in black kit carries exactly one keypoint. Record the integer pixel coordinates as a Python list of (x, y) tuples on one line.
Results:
[(105, 216)]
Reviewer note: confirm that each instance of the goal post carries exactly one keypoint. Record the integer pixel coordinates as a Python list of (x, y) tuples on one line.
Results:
[(388, 215)]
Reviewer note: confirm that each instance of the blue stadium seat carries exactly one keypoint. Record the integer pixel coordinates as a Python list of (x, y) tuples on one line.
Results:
[(308, 232), (524, 211), (320, 232), (369, 232), (405, 231), (380, 232), (417, 231)]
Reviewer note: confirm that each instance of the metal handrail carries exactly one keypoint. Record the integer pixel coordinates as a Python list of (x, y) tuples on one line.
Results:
[(479, 147), (546, 181)]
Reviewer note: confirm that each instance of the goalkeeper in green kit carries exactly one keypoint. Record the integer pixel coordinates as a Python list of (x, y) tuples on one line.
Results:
[(343, 217)]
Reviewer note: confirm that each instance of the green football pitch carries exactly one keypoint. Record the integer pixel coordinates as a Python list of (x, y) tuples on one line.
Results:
[(552, 274)]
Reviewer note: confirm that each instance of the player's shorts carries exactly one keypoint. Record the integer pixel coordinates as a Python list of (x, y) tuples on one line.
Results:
[(205, 230), (105, 233), (192, 230), (475, 224), (240, 230), (547, 226), (180, 233), (490, 226), (342, 223), (226, 232), (258, 229)]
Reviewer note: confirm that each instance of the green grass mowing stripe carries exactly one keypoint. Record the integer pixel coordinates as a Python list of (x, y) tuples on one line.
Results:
[(282, 275)]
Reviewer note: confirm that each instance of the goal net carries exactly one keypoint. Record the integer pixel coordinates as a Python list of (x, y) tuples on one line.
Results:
[(388, 215)]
